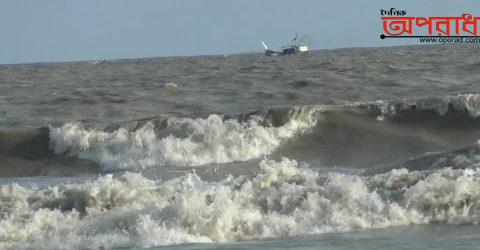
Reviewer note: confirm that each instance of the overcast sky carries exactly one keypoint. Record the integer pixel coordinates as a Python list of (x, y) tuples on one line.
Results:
[(63, 30)]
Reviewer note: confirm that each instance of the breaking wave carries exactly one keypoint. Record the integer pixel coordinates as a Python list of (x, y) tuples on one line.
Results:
[(182, 141), (354, 134), (284, 199), (190, 142), (468, 103)]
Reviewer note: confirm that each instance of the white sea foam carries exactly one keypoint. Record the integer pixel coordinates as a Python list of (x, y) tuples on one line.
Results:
[(283, 199), (184, 141)]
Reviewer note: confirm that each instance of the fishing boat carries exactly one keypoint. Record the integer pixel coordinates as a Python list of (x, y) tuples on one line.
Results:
[(293, 48)]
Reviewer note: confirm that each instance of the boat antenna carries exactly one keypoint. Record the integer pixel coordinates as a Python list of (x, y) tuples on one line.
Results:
[(264, 45), (295, 39)]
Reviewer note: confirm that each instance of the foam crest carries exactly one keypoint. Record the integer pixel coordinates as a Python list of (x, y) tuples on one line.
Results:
[(441, 104), (180, 142), (284, 199)]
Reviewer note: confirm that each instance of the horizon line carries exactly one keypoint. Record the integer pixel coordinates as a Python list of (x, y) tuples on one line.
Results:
[(200, 55)]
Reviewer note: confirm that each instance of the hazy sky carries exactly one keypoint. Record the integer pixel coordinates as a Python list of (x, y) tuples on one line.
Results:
[(64, 30)]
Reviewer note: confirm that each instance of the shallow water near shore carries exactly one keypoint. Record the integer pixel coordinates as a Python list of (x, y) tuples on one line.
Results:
[(414, 237)]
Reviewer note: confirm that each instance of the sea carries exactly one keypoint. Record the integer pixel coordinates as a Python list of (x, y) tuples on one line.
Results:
[(354, 148)]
